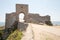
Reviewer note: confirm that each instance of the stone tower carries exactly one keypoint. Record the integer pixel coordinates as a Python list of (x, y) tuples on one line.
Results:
[(22, 8)]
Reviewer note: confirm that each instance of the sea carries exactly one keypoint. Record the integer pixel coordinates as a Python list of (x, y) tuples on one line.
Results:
[(2, 23), (56, 23), (53, 22)]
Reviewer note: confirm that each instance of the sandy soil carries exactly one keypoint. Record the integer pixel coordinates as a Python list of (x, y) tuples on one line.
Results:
[(28, 35), (41, 32)]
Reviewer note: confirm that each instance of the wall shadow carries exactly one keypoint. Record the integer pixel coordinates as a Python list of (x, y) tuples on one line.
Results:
[(22, 26)]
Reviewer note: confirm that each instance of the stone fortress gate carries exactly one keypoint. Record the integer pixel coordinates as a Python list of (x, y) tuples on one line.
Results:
[(13, 17)]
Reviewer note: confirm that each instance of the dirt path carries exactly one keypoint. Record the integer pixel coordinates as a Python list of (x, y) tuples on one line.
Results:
[(41, 32), (28, 35)]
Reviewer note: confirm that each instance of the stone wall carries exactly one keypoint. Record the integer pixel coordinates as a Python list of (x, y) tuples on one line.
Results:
[(36, 18), (10, 19)]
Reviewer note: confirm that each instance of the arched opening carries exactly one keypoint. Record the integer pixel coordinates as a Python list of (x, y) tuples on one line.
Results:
[(21, 17)]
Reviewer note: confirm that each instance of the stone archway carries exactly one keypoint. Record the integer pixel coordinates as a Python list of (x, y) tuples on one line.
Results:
[(21, 8), (21, 17)]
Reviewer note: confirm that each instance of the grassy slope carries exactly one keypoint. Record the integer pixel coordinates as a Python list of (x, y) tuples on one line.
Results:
[(16, 35), (1, 30)]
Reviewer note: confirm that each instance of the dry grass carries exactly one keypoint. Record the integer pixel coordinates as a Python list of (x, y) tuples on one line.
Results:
[(2, 27)]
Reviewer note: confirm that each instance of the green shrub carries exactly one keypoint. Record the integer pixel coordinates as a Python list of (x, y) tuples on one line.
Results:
[(49, 23), (16, 35)]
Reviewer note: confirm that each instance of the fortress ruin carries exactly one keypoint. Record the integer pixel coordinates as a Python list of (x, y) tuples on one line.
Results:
[(13, 17)]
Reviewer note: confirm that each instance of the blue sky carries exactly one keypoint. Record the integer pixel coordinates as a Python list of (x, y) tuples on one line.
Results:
[(42, 7)]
